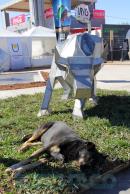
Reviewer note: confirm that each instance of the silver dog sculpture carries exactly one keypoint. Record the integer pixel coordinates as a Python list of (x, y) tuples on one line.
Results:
[(75, 64)]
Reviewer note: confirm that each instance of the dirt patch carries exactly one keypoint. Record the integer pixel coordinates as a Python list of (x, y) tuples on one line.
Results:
[(45, 75), (27, 85), (22, 86)]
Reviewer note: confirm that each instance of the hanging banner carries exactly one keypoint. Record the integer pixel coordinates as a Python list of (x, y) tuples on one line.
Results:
[(48, 13), (18, 19), (98, 14), (61, 10)]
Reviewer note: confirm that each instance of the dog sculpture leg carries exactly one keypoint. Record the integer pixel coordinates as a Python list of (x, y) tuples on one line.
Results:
[(55, 74), (47, 97), (78, 108), (67, 89), (93, 98), (49, 89)]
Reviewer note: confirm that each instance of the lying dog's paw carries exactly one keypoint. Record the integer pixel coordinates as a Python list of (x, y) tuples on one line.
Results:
[(12, 173), (24, 147), (9, 170)]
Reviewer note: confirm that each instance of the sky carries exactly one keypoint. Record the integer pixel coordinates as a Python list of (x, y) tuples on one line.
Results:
[(117, 11)]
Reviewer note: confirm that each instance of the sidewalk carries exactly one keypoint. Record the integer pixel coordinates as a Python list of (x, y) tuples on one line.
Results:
[(126, 62), (113, 76), (22, 77)]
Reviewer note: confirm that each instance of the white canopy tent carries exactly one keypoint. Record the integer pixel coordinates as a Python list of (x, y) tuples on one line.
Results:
[(6, 33), (4, 61), (43, 42), (33, 48), (16, 48)]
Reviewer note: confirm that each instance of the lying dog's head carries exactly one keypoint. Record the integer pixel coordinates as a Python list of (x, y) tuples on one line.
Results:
[(89, 157), (85, 153)]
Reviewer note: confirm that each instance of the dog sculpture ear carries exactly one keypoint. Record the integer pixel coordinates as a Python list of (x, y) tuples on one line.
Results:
[(90, 146)]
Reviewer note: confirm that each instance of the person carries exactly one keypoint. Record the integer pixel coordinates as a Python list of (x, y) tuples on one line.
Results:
[(124, 53)]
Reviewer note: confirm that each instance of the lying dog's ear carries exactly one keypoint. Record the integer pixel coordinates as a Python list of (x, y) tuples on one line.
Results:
[(90, 146)]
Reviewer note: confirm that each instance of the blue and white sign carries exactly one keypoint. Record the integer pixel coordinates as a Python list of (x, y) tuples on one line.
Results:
[(82, 13)]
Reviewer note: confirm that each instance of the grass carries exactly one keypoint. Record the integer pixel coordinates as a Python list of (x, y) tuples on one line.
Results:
[(107, 125)]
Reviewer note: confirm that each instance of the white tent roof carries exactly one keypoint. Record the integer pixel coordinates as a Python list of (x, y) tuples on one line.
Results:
[(40, 32), (7, 33), (128, 34)]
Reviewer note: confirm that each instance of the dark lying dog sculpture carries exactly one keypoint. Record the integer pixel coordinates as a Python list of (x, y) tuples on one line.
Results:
[(63, 144)]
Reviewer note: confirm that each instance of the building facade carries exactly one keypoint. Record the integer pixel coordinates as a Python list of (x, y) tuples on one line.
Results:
[(115, 35)]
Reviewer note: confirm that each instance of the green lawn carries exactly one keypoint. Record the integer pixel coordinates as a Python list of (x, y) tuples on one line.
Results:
[(107, 125)]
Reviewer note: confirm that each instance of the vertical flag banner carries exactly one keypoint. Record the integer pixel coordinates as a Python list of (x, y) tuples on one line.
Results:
[(62, 9)]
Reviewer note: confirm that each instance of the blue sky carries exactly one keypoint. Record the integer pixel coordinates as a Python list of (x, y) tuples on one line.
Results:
[(117, 11)]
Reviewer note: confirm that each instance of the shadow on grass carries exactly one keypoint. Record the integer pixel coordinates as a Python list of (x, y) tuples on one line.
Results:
[(115, 108), (63, 111), (112, 183), (119, 184), (57, 174), (60, 174), (114, 81), (8, 161)]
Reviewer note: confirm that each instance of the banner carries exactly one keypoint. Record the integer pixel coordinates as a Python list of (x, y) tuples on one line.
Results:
[(61, 10), (98, 14), (18, 19), (48, 13)]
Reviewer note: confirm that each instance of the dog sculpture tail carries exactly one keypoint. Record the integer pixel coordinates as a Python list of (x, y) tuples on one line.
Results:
[(35, 136)]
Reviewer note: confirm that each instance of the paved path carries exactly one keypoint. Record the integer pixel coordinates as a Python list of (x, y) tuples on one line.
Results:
[(112, 76), (28, 91), (11, 78)]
